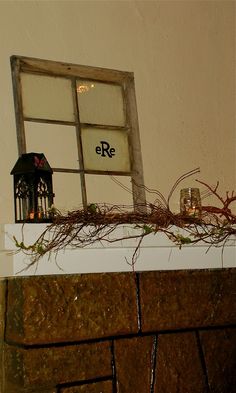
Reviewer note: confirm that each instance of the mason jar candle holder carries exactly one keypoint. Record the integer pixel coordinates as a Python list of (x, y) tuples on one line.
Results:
[(190, 202)]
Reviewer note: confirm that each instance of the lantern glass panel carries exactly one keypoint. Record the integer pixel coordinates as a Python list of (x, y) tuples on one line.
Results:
[(22, 199), (44, 198)]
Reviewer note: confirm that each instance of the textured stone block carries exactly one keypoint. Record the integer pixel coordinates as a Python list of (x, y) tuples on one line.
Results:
[(178, 366), (48, 309), (2, 328), (133, 362), (19, 390), (97, 387), (219, 349), (2, 307), (183, 299), (48, 367), (63, 311)]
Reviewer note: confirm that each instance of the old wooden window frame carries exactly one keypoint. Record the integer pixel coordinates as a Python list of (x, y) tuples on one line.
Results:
[(20, 64)]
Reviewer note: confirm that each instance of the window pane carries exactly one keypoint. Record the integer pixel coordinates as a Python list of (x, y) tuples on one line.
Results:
[(105, 150), (46, 97), (109, 190), (100, 103), (66, 187), (57, 142)]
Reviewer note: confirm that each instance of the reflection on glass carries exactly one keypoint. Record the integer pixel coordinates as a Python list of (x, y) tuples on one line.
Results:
[(109, 190), (66, 187), (57, 142), (100, 103), (46, 97), (105, 150), (190, 202)]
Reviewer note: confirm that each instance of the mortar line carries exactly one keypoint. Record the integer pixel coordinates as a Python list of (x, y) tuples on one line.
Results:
[(202, 360), (84, 382), (138, 304), (119, 337), (113, 365), (153, 363)]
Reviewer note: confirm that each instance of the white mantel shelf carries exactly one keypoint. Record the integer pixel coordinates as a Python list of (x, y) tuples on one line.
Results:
[(157, 252)]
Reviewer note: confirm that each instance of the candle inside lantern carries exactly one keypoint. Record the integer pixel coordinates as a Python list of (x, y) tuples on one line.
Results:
[(40, 212), (31, 215), (190, 202)]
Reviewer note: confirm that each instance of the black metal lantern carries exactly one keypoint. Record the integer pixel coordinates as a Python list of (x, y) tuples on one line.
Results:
[(33, 192)]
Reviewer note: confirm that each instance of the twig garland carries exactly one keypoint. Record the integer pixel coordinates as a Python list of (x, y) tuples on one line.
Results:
[(81, 228)]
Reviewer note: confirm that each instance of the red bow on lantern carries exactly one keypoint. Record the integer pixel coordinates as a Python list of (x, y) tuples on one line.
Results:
[(39, 163)]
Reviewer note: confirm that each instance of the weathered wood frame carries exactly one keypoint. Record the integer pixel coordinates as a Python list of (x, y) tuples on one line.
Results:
[(21, 64)]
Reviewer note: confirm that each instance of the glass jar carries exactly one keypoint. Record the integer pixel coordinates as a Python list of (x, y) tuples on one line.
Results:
[(190, 202)]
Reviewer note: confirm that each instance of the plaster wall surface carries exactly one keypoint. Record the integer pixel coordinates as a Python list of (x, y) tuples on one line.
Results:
[(182, 54)]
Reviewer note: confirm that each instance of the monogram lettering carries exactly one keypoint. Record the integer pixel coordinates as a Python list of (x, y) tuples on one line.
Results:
[(105, 150)]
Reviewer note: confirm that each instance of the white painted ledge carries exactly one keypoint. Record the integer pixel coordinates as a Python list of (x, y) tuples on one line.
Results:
[(157, 252)]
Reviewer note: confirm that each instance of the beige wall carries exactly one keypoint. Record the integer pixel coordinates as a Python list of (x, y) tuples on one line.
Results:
[(182, 54)]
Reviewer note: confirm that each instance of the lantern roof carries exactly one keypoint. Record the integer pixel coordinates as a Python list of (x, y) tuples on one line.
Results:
[(31, 163)]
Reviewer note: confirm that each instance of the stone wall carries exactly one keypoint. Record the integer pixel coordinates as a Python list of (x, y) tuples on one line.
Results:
[(2, 327), (149, 332)]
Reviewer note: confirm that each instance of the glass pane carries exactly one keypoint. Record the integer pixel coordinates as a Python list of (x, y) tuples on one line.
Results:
[(46, 97), (57, 142), (115, 190), (66, 187), (100, 103), (105, 150)]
